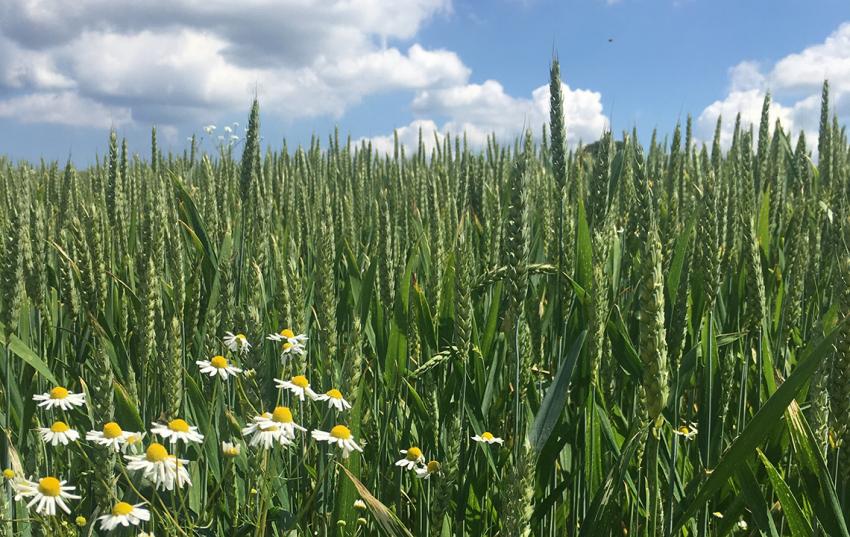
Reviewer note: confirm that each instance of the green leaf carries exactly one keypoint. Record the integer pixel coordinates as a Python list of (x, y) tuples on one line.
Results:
[(29, 356), (555, 398), (758, 428), (797, 521)]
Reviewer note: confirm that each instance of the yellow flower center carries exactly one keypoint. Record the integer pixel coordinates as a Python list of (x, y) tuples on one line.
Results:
[(341, 432), (59, 427), (487, 436), (241, 337), (112, 430), (8, 473), (156, 453), (334, 394), (433, 467), (301, 381), (272, 429), (178, 426), (287, 345), (58, 393), (684, 429), (287, 333), (122, 509), (219, 362), (413, 453), (133, 438), (282, 414), (231, 451), (49, 486)]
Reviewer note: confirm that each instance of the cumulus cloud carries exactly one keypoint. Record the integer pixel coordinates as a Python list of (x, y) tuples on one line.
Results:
[(481, 110), (63, 108), (794, 82), (172, 61)]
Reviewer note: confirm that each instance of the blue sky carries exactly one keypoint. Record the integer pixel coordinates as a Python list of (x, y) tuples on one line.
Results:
[(70, 70)]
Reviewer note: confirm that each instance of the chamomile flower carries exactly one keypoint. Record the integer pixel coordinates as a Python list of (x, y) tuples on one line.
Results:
[(237, 342), (282, 418), (230, 449), (425, 472), (488, 438), (269, 435), (290, 342), (177, 429), (45, 494), (61, 398), (159, 467), (341, 436), (133, 442), (334, 399), (110, 436), (298, 385), (687, 431), (256, 423), (360, 505), (217, 365), (124, 514), (412, 457), (58, 433)]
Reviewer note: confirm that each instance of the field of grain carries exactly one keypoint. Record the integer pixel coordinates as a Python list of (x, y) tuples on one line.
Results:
[(529, 339)]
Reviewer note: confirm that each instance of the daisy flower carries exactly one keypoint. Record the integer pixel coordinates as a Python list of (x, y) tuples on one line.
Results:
[(291, 343), (111, 436), (159, 467), (298, 385), (267, 435), (488, 438), (237, 342), (256, 423), (360, 505), (58, 433), (428, 470), (687, 431), (133, 442), (177, 429), (230, 449), (334, 399), (341, 436), (282, 418), (60, 397), (218, 365), (124, 514), (45, 495), (413, 457)]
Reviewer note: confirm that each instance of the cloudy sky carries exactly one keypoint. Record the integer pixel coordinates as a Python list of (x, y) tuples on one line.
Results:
[(72, 69)]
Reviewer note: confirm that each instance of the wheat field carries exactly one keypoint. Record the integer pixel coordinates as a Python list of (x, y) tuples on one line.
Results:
[(527, 339)]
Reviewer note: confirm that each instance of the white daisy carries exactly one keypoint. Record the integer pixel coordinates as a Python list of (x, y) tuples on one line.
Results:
[(687, 431), (45, 495), (124, 514), (269, 435), (290, 342), (425, 472), (341, 436), (230, 449), (298, 385), (58, 433), (133, 442), (217, 365), (237, 342), (281, 418), (160, 468), (111, 436), (177, 429), (413, 457), (334, 399), (488, 438), (256, 423), (60, 397)]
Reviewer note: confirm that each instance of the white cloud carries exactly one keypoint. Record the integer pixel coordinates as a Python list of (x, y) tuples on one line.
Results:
[(480, 110), (173, 61), (63, 108), (794, 82)]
